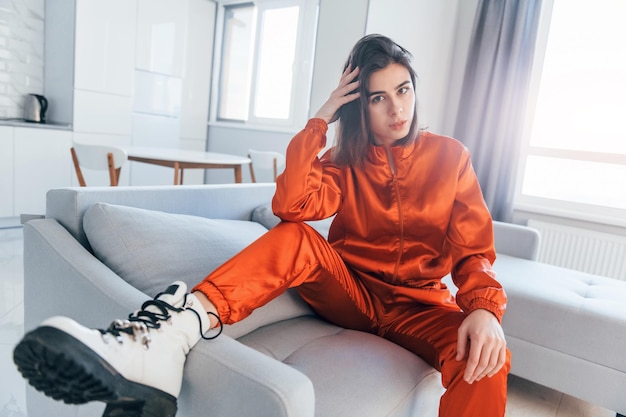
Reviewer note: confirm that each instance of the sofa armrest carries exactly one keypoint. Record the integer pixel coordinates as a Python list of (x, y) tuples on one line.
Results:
[(82, 287), (516, 240), (272, 389), (62, 277)]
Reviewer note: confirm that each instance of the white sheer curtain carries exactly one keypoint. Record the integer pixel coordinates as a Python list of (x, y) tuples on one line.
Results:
[(494, 95)]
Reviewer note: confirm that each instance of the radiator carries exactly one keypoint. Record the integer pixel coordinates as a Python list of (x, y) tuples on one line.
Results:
[(582, 249)]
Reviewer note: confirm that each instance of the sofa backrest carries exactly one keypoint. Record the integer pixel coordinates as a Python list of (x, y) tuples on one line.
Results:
[(219, 201)]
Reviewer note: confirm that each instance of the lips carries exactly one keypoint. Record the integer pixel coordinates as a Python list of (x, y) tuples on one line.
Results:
[(398, 125)]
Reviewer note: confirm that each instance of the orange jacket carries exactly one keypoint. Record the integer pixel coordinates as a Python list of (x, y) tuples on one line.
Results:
[(404, 219)]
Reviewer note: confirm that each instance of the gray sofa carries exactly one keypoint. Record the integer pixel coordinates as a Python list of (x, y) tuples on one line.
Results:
[(283, 360)]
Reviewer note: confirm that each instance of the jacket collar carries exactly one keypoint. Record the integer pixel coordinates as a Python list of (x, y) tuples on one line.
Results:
[(378, 153)]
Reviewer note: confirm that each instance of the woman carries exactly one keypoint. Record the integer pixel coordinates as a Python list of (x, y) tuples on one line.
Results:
[(408, 210)]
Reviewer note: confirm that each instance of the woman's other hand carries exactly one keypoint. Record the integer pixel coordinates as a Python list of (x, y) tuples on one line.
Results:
[(481, 339)]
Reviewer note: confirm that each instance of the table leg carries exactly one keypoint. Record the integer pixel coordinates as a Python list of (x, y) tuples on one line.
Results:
[(238, 178), (176, 168)]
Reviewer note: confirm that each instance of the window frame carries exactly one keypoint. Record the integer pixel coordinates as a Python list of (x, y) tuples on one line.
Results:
[(303, 67), (553, 207)]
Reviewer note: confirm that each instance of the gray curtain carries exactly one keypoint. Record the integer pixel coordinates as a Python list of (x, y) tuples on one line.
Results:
[(494, 95)]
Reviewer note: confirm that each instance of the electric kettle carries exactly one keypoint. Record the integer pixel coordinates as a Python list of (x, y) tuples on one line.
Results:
[(35, 108)]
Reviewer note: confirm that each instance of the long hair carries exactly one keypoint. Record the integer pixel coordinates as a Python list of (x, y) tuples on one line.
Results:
[(353, 135)]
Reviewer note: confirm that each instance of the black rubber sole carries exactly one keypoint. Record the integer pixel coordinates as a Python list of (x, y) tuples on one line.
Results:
[(63, 368)]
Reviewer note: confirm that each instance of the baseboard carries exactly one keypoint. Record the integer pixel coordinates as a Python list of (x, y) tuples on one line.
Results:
[(9, 222)]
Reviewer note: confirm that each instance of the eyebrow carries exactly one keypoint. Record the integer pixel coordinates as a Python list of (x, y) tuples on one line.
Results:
[(373, 93)]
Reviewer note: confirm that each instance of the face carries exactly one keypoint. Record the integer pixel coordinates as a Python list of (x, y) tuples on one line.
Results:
[(391, 103)]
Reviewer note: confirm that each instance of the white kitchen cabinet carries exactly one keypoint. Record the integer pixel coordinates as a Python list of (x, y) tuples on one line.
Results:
[(6, 171), (197, 77), (105, 45), (162, 36), (157, 94), (42, 161), (97, 112)]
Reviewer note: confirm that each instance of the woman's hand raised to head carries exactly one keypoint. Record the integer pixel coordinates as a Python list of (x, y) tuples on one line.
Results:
[(343, 94)]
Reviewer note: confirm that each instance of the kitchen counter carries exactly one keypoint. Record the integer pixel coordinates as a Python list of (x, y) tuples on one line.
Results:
[(22, 123)]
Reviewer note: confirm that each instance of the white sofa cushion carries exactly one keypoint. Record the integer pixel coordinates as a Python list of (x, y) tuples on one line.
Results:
[(568, 312), (335, 359), (150, 249)]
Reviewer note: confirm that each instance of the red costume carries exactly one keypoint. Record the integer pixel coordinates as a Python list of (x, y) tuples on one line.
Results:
[(405, 218)]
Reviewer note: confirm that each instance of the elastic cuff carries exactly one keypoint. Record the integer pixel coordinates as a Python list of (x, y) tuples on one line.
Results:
[(486, 304), (217, 298), (317, 124)]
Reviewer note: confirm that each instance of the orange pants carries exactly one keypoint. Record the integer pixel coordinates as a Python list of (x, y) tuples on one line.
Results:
[(295, 255)]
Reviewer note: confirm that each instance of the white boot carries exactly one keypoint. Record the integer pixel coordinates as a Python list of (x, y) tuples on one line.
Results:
[(135, 366)]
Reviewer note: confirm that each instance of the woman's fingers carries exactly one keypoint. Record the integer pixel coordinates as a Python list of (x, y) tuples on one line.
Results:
[(343, 94)]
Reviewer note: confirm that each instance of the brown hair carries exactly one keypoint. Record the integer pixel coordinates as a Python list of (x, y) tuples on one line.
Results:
[(353, 136)]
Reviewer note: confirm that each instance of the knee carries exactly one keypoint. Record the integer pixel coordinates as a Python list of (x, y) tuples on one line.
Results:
[(453, 369), (290, 235), (300, 229)]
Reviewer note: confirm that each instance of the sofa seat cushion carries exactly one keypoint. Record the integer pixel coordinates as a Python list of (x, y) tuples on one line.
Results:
[(567, 311), (151, 249), (353, 373)]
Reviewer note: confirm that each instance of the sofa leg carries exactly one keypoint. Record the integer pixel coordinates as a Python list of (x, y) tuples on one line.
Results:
[(619, 415)]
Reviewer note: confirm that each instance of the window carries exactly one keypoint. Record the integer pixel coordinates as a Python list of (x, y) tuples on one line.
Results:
[(264, 63), (575, 156)]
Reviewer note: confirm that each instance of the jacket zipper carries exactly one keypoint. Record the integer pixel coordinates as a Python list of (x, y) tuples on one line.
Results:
[(396, 189)]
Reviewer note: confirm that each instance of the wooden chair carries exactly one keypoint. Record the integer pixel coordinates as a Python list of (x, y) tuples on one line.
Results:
[(265, 162), (98, 157)]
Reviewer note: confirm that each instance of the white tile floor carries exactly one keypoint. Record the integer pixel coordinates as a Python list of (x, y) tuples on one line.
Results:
[(525, 398), (12, 388)]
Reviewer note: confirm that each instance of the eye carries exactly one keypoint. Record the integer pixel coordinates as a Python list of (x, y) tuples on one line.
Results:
[(376, 99), (403, 90)]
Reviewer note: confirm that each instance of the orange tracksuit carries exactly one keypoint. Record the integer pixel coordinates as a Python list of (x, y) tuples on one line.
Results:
[(404, 219)]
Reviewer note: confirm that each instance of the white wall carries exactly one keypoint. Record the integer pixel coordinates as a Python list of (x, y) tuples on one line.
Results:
[(427, 29), (336, 35), (22, 43)]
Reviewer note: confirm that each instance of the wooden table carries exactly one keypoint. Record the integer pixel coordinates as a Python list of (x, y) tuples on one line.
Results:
[(181, 159)]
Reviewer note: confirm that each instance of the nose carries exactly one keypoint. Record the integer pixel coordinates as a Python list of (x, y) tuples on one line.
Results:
[(395, 106)]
